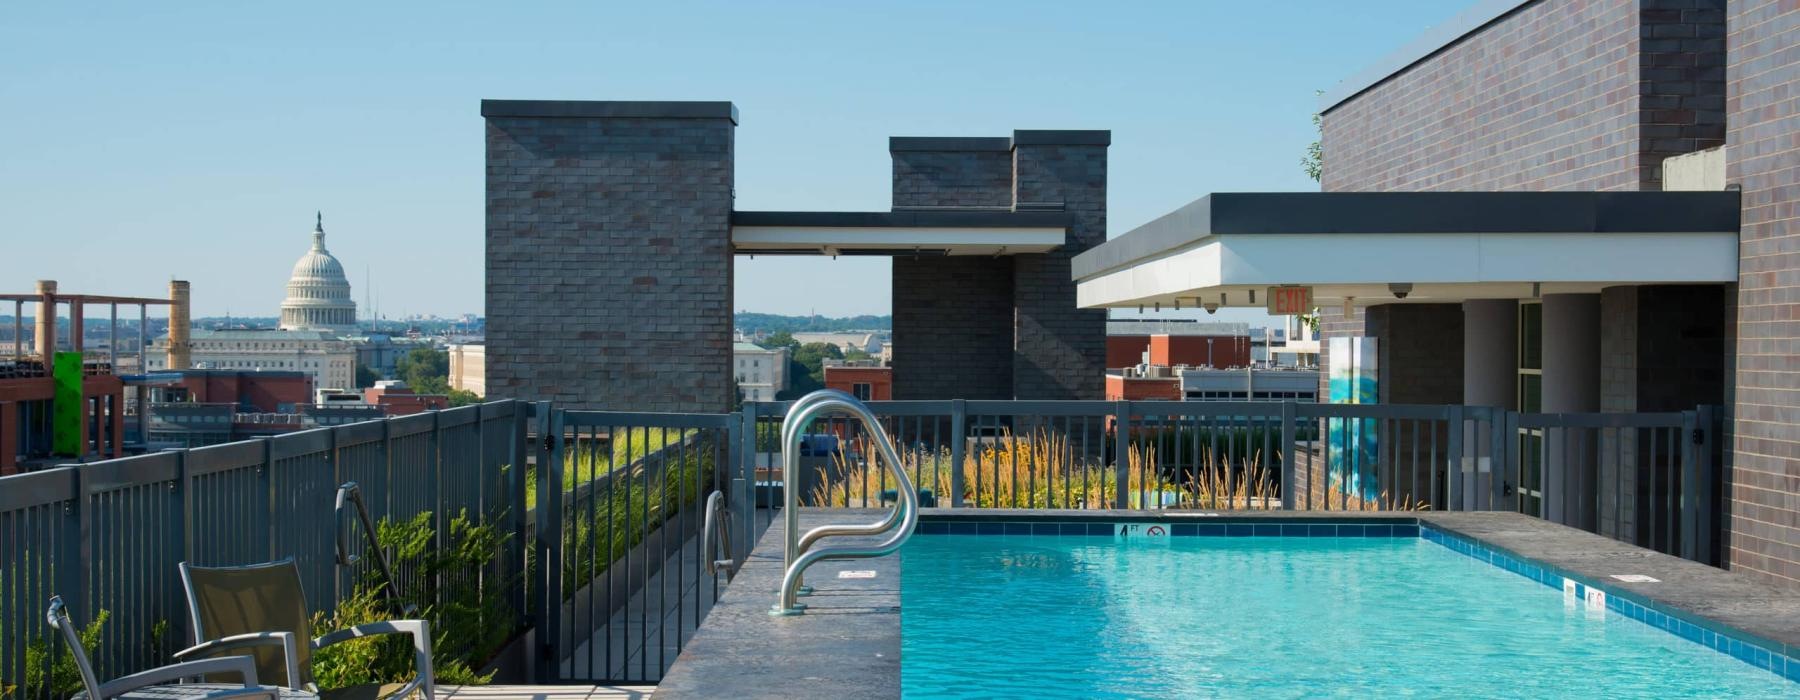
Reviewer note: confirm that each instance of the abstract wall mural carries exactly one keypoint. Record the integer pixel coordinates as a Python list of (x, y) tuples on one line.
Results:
[(1352, 448)]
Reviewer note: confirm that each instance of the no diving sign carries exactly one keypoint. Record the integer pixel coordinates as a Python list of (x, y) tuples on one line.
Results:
[(1142, 531)]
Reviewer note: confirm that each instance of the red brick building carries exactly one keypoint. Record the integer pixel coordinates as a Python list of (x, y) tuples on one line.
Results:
[(1122, 388), (397, 399), (866, 382), (257, 391), (1173, 343)]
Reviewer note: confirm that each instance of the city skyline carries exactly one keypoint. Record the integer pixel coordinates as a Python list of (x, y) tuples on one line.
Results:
[(311, 112)]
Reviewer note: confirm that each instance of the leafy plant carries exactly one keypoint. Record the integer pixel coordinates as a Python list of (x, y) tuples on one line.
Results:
[(50, 671), (457, 591)]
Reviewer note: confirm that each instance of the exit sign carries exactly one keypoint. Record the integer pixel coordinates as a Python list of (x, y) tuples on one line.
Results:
[(1290, 301)]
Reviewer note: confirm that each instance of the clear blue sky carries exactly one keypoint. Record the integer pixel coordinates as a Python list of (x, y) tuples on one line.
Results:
[(144, 141)]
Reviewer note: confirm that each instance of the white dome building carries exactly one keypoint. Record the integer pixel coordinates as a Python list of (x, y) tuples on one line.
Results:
[(318, 294)]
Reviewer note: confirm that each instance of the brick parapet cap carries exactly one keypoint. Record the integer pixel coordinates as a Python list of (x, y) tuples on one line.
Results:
[(593, 109)]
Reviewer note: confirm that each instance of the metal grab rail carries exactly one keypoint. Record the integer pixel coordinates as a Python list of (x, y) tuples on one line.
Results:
[(799, 552), (349, 493), (716, 532)]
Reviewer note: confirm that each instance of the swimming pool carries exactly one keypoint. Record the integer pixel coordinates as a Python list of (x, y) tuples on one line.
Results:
[(1372, 611)]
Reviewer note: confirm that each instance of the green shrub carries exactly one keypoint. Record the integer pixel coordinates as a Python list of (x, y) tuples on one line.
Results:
[(455, 589), (50, 670), (626, 510)]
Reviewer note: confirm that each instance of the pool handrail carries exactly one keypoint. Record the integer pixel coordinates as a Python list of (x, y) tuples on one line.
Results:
[(799, 553)]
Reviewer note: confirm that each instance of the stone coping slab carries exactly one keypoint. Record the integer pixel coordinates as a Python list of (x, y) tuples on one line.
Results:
[(848, 642)]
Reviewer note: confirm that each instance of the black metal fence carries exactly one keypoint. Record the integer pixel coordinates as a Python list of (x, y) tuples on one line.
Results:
[(107, 536), (602, 511)]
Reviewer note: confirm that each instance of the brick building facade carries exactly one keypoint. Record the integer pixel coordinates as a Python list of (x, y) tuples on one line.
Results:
[(609, 260), (1002, 327), (1596, 95), (1763, 150), (610, 244)]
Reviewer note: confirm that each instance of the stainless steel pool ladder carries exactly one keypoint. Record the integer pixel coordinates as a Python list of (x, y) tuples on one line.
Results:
[(798, 552), (716, 533)]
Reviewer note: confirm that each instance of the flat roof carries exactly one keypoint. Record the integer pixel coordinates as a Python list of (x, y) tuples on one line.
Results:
[(1415, 212), (575, 109), (1368, 248), (1002, 144), (1435, 39), (925, 232)]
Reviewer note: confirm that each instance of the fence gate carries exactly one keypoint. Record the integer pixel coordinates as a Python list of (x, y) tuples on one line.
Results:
[(619, 500)]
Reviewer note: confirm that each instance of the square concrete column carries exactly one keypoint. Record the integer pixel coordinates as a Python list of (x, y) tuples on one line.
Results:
[(609, 261)]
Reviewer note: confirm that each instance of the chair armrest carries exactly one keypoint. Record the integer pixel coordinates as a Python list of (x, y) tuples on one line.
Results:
[(289, 648), (421, 638), (242, 666)]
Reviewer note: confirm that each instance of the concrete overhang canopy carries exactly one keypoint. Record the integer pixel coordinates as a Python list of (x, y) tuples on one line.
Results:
[(964, 232), (1449, 246)]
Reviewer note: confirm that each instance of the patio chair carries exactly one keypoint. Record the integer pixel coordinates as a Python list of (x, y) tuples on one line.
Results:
[(162, 682), (261, 608)]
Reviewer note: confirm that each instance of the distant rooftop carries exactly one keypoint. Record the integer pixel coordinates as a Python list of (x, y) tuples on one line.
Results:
[(741, 346), (1117, 327)]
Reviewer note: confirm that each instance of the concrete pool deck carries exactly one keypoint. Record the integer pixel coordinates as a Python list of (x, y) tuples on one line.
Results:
[(848, 642)]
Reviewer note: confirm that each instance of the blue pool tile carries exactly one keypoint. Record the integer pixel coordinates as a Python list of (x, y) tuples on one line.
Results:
[(1298, 530), (1793, 670), (1099, 529), (1322, 530), (1072, 529), (1045, 529), (1350, 530), (931, 528), (963, 528), (1016, 528), (1210, 529), (990, 528), (1182, 530), (1238, 530), (1376, 531), (1406, 530)]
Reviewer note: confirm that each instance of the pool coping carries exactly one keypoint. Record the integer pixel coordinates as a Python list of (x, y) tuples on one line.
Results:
[(848, 643)]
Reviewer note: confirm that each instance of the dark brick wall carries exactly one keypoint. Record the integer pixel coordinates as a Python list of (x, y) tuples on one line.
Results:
[(1561, 94), (1763, 103), (939, 179), (1681, 71), (1061, 349), (609, 262), (1003, 327), (953, 316), (1421, 352), (953, 328)]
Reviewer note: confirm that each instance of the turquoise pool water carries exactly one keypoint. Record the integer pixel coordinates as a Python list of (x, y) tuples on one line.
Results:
[(1271, 617)]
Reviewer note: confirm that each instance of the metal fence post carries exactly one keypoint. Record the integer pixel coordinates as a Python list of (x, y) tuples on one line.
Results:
[(1690, 488), (71, 581), (1289, 455), (267, 486), (743, 482), (1709, 508), (1453, 450), (1121, 454), (959, 445), (517, 513), (341, 582), (549, 540)]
